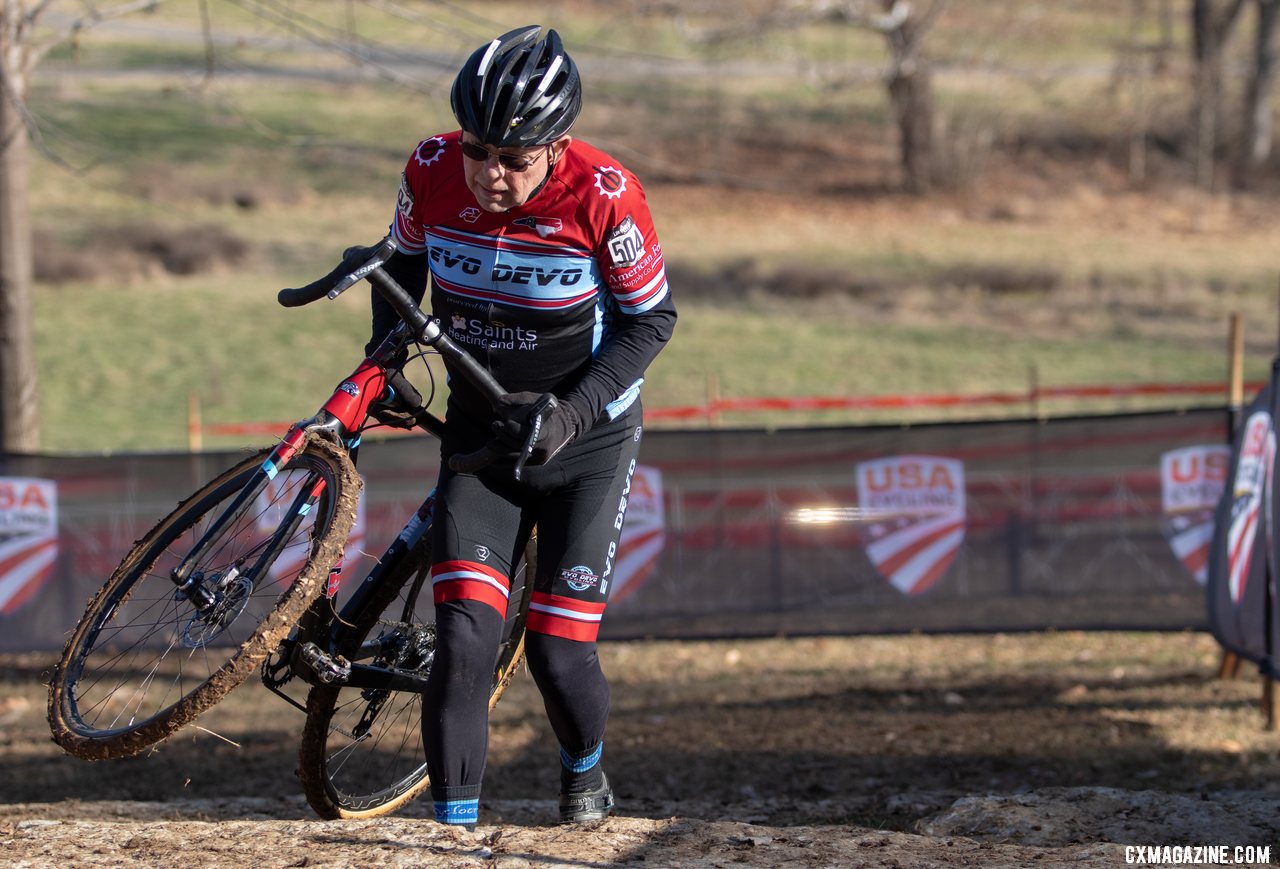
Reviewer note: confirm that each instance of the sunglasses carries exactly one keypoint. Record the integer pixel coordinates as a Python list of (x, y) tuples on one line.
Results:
[(510, 162)]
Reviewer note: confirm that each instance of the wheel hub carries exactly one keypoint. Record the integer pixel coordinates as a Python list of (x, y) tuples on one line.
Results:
[(205, 627)]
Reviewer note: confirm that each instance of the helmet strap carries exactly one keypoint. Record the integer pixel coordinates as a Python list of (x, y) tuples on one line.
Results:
[(551, 165)]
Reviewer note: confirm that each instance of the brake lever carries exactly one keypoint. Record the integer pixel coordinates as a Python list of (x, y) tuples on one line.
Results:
[(381, 253), (530, 439)]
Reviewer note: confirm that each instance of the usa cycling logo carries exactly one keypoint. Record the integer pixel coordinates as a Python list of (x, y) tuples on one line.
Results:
[(28, 539), (610, 181), (1191, 484), (580, 578), (914, 517), (429, 151)]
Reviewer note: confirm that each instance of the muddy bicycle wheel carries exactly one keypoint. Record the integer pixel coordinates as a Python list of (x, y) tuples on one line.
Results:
[(361, 753), (145, 660)]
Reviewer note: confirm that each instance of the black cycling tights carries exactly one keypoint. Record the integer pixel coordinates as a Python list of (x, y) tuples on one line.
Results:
[(456, 700)]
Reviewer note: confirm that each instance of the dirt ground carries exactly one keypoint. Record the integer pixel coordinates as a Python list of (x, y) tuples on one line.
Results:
[(998, 750)]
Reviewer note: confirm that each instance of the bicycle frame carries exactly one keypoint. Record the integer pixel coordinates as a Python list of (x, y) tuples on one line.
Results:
[(311, 653), (320, 637), (341, 419)]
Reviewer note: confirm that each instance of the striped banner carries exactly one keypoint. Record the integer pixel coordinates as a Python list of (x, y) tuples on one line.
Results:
[(1251, 486), (28, 538), (644, 533)]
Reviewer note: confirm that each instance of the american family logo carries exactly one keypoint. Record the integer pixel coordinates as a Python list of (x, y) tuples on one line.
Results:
[(1196, 855)]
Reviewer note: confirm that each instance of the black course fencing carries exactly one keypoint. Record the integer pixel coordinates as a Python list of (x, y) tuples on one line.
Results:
[(1096, 522)]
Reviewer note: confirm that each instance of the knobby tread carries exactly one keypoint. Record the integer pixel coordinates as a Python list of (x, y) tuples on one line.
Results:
[(322, 699), (290, 606)]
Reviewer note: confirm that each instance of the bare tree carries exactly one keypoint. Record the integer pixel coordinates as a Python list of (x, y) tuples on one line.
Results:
[(909, 78), (1211, 26), (911, 90), (1255, 145), (23, 44), (29, 30)]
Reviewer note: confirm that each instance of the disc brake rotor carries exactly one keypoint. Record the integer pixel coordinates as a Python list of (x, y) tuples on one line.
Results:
[(203, 629)]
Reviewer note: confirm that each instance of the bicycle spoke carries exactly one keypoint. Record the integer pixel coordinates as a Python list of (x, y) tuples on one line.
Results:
[(147, 646), (355, 763)]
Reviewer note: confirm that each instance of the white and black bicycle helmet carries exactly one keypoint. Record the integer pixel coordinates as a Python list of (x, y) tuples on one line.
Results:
[(518, 91)]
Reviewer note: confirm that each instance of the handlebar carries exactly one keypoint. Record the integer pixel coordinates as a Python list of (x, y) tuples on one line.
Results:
[(344, 276), (425, 328)]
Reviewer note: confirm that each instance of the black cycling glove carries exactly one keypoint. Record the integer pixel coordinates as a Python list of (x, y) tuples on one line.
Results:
[(538, 421), (531, 428)]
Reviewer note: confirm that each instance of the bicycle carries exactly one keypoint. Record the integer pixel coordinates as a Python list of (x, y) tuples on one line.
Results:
[(241, 577)]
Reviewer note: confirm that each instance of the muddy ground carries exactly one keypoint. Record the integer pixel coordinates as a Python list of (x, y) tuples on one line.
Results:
[(1002, 750)]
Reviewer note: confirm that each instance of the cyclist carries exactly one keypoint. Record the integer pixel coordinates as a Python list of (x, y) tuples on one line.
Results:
[(544, 263)]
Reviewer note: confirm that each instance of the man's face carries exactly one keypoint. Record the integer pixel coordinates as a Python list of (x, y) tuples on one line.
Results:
[(506, 177)]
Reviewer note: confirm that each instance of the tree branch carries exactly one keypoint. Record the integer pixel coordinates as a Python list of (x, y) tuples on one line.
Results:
[(265, 9), (93, 15), (803, 13), (29, 126), (855, 12)]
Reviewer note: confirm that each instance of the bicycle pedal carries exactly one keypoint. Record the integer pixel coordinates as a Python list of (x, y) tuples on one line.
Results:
[(329, 669)]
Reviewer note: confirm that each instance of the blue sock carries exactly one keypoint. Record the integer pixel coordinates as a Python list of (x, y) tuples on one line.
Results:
[(462, 812), (581, 773)]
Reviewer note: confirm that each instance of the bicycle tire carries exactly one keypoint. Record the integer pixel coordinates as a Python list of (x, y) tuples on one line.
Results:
[(142, 662), (376, 774)]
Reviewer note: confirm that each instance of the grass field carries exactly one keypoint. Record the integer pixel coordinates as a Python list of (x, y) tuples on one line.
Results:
[(178, 205)]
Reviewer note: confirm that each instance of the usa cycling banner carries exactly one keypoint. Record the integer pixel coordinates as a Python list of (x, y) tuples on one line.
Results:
[(28, 538), (913, 514), (644, 533), (992, 526), (1242, 555), (1191, 483)]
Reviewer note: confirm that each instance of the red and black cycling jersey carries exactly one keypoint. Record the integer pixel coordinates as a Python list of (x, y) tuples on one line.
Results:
[(565, 294)]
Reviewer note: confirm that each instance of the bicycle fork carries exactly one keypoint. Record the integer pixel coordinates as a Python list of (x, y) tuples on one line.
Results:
[(338, 418), (219, 596)]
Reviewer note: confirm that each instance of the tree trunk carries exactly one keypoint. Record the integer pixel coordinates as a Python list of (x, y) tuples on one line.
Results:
[(912, 97), (19, 409), (1258, 125), (911, 92), (1208, 84), (1210, 28), (1208, 93)]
